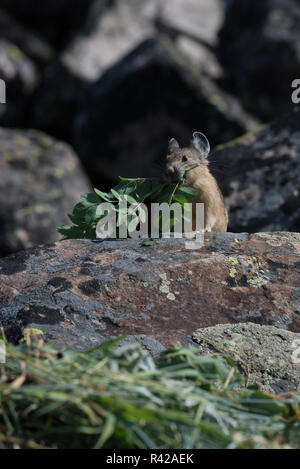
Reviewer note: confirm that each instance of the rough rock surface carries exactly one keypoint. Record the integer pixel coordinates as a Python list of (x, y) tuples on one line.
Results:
[(259, 175), (269, 356), (81, 292), (41, 180), (259, 48), (158, 94)]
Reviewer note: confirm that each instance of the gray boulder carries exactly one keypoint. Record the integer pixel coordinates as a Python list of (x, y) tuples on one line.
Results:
[(41, 180), (154, 93), (267, 356), (260, 177), (21, 79), (199, 20), (110, 31), (259, 48), (55, 20), (166, 65), (32, 45)]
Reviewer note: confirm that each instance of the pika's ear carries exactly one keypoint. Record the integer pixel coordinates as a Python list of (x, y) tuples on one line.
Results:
[(173, 145), (201, 143)]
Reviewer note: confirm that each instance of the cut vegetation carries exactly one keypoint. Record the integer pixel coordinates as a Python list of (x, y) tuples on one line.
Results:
[(116, 397)]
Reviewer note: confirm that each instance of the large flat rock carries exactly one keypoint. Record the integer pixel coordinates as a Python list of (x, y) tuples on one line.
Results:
[(81, 292)]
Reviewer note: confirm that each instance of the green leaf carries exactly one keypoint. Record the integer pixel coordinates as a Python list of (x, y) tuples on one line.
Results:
[(188, 192), (130, 199), (115, 194), (90, 199), (165, 194), (75, 219), (108, 430), (180, 198), (132, 225), (149, 242), (191, 167), (128, 179), (157, 184), (91, 215), (79, 209), (104, 195), (71, 232), (139, 189), (142, 214)]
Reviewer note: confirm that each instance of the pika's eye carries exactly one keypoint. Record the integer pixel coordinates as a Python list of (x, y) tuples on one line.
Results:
[(184, 159)]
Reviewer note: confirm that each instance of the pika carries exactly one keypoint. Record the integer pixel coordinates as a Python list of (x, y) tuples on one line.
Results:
[(200, 178)]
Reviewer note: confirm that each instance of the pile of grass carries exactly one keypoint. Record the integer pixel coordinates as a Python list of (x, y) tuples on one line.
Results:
[(117, 397)]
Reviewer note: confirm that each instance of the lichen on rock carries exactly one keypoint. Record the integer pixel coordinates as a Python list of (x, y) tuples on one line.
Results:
[(265, 353)]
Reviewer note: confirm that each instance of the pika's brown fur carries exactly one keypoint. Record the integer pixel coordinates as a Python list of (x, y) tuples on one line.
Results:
[(200, 178)]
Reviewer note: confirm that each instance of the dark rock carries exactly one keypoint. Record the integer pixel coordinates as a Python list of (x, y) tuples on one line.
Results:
[(151, 95), (260, 177), (110, 31), (41, 180), (122, 26), (55, 20), (267, 356), (59, 95), (150, 345), (167, 297), (21, 79), (259, 48), (33, 46), (143, 75), (108, 35), (24, 56)]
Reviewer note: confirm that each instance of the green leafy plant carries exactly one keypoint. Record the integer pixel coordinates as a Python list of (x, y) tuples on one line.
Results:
[(149, 242), (85, 216), (116, 396)]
